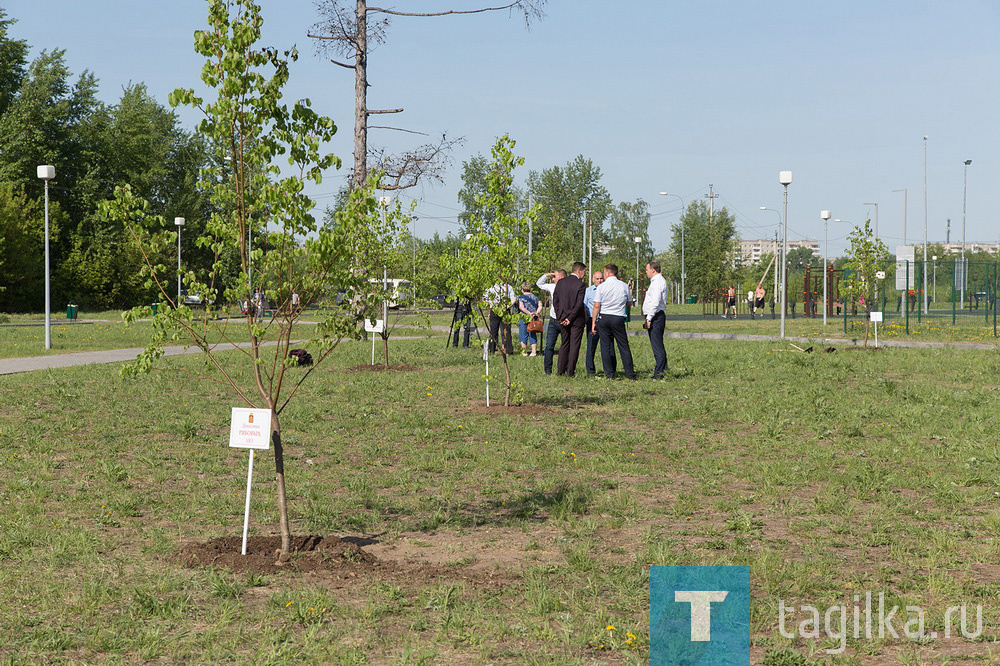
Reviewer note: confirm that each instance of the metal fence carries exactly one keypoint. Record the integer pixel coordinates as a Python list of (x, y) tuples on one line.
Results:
[(912, 292)]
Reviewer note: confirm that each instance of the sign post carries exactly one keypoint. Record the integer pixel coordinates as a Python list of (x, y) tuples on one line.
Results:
[(876, 317), (249, 429), (377, 327), (486, 357)]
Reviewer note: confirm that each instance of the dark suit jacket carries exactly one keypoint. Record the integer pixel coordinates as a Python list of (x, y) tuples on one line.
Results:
[(567, 300)]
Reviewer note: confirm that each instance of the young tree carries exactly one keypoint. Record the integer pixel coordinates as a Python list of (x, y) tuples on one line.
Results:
[(250, 129), (488, 256), (351, 32), (628, 221), (866, 255)]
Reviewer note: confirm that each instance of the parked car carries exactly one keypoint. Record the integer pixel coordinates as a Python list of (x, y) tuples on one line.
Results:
[(443, 301), (192, 299)]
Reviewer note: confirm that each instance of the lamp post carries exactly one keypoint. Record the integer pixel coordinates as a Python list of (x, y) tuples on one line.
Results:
[(413, 244), (179, 223), (47, 173), (876, 216), (906, 287), (785, 178), (638, 239), (583, 221), (965, 191), (934, 279), (683, 273), (825, 215), (924, 298), (778, 213)]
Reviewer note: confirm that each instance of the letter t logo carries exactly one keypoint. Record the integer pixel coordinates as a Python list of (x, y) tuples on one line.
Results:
[(701, 611)]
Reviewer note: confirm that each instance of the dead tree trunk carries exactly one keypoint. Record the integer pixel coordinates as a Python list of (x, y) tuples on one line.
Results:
[(361, 98)]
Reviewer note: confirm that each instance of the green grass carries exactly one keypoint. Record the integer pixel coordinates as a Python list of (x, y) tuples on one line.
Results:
[(827, 474)]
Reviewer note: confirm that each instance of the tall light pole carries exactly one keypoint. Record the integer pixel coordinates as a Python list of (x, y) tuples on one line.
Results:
[(965, 191), (876, 216), (683, 273), (583, 222), (179, 223), (785, 178), (906, 287), (638, 239), (47, 173), (924, 297), (776, 295), (413, 244), (825, 215)]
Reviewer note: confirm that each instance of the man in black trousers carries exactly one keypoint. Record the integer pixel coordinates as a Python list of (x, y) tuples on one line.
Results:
[(609, 321), (567, 299), (654, 310)]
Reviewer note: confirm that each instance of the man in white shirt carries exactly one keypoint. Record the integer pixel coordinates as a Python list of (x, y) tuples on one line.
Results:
[(610, 300), (588, 302), (499, 298), (552, 328), (653, 307)]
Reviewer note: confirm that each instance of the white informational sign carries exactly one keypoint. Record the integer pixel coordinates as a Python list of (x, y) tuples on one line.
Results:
[(250, 429), (905, 253), (879, 275), (960, 273), (377, 327), (876, 316)]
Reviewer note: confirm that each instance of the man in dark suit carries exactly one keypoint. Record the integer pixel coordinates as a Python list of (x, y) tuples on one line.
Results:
[(567, 299)]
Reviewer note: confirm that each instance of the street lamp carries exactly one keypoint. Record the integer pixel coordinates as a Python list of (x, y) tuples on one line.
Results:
[(413, 244), (965, 191), (683, 273), (778, 213), (876, 216), (785, 178), (47, 173), (934, 280), (825, 215), (638, 239), (924, 299), (179, 223)]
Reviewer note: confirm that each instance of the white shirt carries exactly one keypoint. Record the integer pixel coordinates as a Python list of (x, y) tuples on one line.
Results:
[(494, 296), (612, 295), (656, 297), (550, 287)]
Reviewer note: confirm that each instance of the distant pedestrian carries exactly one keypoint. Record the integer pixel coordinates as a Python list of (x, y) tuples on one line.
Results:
[(758, 296), (730, 302), (499, 299), (530, 307), (609, 312), (552, 327), (592, 339), (654, 308)]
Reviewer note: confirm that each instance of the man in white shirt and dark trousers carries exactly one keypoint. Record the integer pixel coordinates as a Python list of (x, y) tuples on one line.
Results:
[(553, 327), (653, 308), (499, 299), (609, 322)]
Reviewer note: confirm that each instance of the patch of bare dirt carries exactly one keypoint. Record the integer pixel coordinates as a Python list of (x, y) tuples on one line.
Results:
[(308, 553), (399, 367)]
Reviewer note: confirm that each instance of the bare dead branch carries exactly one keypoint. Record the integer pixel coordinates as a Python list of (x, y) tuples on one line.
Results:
[(405, 170), (397, 129), (344, 65), (372, 112)]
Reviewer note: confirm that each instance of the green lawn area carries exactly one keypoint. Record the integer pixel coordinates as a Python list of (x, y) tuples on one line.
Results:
[(511, 537)]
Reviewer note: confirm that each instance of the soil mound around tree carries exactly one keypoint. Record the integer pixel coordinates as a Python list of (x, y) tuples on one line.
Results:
[(308, 553), (523, 409)]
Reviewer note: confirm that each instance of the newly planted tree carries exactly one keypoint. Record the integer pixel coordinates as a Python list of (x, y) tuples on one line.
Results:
[(495, 242), (252, 195), (866, 255)]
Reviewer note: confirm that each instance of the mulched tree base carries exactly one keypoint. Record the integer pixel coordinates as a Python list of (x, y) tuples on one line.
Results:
[(401, 367), (308, 553)]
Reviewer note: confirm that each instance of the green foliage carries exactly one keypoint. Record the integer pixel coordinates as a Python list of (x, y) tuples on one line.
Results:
[(628, 221), (494, 244), (709, 248), (865, 256)]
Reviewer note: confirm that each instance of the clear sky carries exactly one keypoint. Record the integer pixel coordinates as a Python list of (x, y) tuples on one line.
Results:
[(661, 95)]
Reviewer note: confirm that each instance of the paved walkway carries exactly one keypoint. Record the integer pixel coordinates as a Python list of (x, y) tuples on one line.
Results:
[(9, 366)]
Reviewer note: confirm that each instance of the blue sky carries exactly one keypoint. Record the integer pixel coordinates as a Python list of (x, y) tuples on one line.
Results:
[(660, 95)]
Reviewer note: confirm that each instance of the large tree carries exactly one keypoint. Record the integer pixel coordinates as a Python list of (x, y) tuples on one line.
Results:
[(566, 198), (350, 30), (628, 222), (709, 248)]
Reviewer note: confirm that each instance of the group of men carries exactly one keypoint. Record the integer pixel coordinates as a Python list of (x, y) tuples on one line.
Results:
[(755, 299), (599, 312)]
